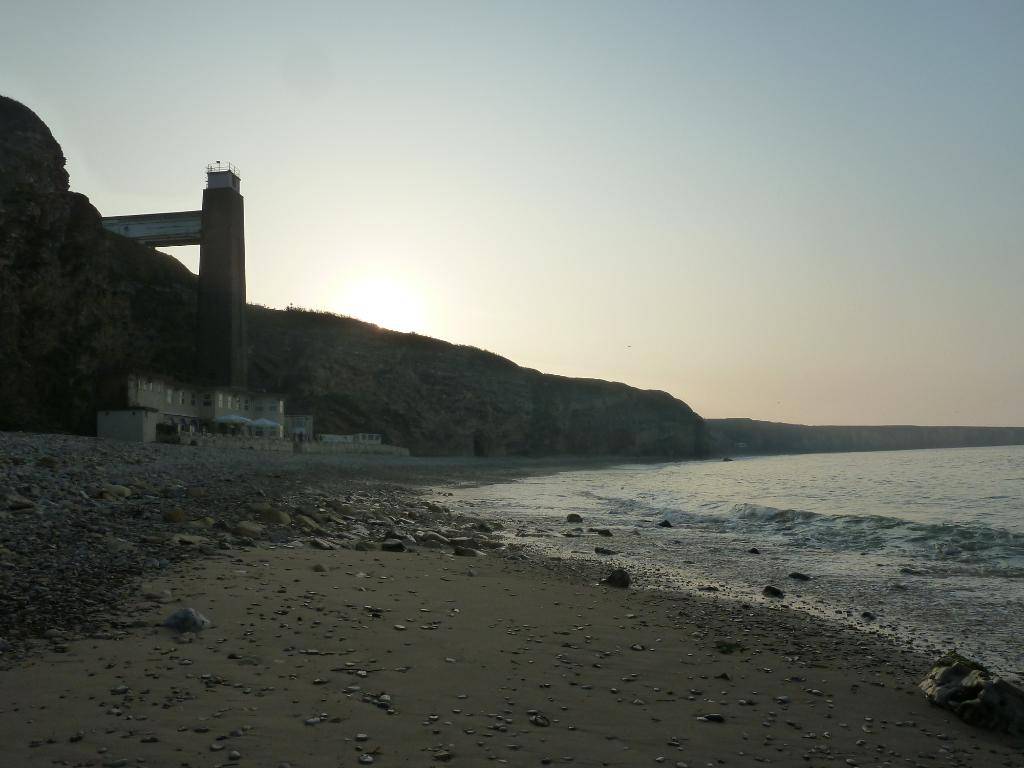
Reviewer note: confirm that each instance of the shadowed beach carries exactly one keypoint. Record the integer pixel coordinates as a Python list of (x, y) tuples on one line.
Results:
[(355, 620)]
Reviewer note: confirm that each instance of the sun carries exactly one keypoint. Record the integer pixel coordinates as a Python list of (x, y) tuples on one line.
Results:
[(385, 301)]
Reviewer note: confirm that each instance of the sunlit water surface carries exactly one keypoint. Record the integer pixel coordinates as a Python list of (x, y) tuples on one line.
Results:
[(929, 542)]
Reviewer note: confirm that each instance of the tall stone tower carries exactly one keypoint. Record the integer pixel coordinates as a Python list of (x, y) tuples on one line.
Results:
[(221, 344)]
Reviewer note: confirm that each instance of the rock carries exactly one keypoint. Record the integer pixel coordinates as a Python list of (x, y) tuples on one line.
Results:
[(110, 491), (318, 543), (188, 540), (187, 620), (799, 576), (432, 537), (247, 528), (975, 695), (754, 551), (771, 591), (151, 592), (601, 531), (468, 552), (572, 517), (393, 545), (15, 502), (604, 551), (664, 524), (712, 717), (176, 515), (868, 616), (320, 568), (275, 517), (618, 578), (305, 521), (260, 508), (540, 720)]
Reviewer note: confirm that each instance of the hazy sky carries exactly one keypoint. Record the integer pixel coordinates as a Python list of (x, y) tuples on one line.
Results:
[(800, 211)]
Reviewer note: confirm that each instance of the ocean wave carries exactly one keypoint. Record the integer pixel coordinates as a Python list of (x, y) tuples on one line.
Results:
[(938, 541)]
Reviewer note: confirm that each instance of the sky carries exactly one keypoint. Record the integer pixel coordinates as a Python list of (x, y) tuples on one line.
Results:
[(794, 211)]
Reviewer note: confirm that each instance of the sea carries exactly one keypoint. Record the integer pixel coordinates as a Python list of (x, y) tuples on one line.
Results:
[(925, 546)]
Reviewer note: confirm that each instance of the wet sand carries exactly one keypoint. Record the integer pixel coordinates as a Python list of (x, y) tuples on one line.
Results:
[(346, 657)]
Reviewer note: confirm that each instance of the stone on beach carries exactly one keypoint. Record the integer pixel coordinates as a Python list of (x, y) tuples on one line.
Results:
[(770, 591), (187, 620), (618, 578), (975, 695), (247, 528), (572, 517)]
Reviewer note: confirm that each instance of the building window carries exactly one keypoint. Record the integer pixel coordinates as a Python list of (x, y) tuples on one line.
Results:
[(207, 398), (170, 395), (247, 403), (220, 399), (181, 397), (192, 398)]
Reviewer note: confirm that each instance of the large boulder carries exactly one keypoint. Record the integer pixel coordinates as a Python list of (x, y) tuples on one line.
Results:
[(975, 695)]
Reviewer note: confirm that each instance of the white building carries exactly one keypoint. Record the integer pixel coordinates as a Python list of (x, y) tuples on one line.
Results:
[(145, 407)]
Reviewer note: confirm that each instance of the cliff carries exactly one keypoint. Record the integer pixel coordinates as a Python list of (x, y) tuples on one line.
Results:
[(439, 398), (747, 436), (77, 302), (74, 300)]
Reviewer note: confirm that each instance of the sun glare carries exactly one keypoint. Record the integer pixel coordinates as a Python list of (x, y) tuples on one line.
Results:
[(385, 302)]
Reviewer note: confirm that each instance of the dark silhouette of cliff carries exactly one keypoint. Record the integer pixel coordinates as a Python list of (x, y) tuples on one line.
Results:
[(74, 300), (436, 397), (78, 303)]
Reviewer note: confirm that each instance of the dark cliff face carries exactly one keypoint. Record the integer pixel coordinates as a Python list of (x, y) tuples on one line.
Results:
[(77, 302), (439, 398)]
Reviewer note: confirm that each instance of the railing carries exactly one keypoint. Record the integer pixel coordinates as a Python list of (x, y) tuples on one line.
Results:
[(219, 167)]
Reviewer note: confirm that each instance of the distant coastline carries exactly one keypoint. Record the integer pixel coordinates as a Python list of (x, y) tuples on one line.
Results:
[(729, 437)]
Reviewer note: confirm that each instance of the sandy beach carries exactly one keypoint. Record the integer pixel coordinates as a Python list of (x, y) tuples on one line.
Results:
[(354, 620)]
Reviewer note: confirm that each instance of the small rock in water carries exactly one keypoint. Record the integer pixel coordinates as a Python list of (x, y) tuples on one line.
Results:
[(572, 517), (712, 717), (618, 578), (604, 551), (664, 524), (187, 620), (754, 551), (868, 616), (799, 576), (771, 591)]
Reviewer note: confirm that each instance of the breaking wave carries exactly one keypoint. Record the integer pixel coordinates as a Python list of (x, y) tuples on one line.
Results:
[(937, 541)]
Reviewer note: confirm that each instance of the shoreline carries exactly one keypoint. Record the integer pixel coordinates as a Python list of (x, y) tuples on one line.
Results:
[(294, 628)]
